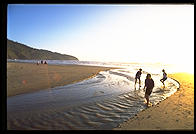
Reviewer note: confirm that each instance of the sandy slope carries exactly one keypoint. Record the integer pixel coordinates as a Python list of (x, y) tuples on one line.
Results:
[(174, 113)]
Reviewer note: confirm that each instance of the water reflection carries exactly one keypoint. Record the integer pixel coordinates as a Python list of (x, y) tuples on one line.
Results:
[(98, 103)]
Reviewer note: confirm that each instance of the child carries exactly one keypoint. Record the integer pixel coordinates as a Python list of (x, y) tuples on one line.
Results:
[(164, 78), (137, 76), (149, 85)]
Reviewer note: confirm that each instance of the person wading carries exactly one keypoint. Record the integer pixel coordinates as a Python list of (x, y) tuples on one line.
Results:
[(164, 78), (137, 76), (149, 85)]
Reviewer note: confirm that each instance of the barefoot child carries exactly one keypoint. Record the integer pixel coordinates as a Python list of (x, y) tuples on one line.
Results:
[(149, 85), (137, 76), (164, 78)]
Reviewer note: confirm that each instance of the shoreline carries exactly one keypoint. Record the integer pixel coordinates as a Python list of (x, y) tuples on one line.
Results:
[(30, 77), (174, 113)]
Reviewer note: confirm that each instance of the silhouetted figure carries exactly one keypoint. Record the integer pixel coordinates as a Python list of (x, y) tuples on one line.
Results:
[(41, 61), (149, 85), (164, 78), (45, 62), (137, 76)]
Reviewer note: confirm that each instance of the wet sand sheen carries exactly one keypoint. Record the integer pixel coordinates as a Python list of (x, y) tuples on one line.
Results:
[(90, 116), (174, 113), (103, 112), (28, 77)]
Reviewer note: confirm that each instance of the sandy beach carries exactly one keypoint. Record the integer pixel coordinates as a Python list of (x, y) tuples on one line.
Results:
[(174, 113), (28, 77)]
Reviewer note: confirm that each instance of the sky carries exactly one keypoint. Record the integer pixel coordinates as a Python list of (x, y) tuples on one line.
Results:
[(116, 33)]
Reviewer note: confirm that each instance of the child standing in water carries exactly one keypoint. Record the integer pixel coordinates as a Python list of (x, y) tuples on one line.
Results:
[(137, 76), (164, 78), (149, 85)]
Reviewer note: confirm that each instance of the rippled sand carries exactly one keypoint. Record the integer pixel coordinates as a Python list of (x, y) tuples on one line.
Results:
[(174, 113), (102, 102)]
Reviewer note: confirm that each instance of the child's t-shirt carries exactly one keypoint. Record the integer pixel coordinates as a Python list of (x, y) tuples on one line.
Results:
[(138, 74), (164, 75), (149, 83)]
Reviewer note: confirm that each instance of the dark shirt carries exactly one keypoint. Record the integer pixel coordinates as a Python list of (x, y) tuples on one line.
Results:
[(149, 83), (164, 75), (138, 74)]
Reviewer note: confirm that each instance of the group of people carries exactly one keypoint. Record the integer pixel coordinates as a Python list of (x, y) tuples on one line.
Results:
[(41, 62), (149, 83)]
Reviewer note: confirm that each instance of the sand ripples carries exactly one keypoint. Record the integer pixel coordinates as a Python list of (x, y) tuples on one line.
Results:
[(98, 103)]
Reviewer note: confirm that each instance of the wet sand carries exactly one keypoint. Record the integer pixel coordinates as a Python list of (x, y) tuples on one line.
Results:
[(174, 113), (27, 77), (100, 103)]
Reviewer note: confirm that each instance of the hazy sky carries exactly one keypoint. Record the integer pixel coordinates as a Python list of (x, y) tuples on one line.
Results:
[(125, 33)]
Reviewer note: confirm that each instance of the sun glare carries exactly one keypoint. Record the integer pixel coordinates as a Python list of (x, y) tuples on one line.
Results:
[(146, 34)]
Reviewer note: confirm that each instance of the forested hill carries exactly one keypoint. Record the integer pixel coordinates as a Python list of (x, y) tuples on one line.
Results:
[(17, 50)]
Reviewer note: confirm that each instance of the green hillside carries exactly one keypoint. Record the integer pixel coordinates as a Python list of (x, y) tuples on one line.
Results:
[(17, 50)]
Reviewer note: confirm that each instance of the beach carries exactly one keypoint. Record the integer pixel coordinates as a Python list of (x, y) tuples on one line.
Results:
[(28, 77), (174, 113), (103, 102)]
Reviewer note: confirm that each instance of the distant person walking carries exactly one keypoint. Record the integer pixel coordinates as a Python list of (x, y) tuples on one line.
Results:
[(149, 85), (137, 76), (45, 62), (164, 78), (41, 61)]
